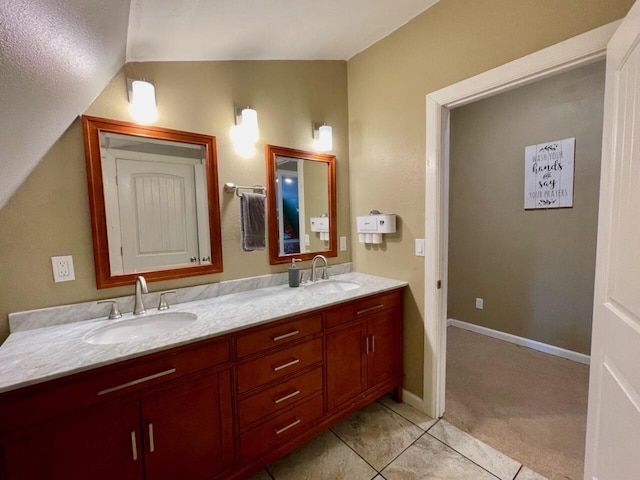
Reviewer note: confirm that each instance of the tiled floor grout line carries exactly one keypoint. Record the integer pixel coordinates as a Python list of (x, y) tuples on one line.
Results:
[(518, 472), (404, 450), (463, 455), (408, 420), (350, 448)]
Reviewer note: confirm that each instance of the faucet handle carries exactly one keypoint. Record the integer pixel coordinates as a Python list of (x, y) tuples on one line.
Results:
[(114, 313), (163, 305)]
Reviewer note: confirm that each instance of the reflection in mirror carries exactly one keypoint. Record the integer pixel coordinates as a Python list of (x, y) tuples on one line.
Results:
[(154, 202), (301, 195)]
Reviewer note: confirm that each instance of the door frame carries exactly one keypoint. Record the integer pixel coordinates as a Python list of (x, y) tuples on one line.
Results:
[(580, 50)]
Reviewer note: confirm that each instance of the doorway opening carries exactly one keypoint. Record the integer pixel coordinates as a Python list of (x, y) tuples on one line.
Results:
[(578, 51), (523, 272)]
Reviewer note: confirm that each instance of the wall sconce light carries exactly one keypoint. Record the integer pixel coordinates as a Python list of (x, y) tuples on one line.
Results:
[(245, 133), (142, 101), (322, 137)]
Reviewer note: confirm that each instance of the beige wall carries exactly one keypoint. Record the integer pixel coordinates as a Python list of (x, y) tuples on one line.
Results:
[(49, 213), (388, 82), (533, 268)]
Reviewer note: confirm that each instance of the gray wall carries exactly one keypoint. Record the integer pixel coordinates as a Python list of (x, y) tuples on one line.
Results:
[(534, 268)]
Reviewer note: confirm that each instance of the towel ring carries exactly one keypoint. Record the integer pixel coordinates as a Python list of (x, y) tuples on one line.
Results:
[(231, 187)]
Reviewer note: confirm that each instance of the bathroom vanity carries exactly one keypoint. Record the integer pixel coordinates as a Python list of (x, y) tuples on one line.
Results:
[(219, 402)]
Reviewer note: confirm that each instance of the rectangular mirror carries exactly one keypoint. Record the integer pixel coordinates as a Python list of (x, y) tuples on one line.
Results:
[(301, 204), (153, 195)]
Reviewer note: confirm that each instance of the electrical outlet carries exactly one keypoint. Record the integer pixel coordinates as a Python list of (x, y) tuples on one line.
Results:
[(306, 239), (479, 303), (343, 244), (63, 268)]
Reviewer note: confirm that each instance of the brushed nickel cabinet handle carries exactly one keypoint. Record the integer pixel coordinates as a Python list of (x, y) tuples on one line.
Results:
[(285, 365), (286, 335), (287, 397), (134, 445), (152, 443), (291, 425), (373, 344), (137, 381), (367, 345), (376, 307)]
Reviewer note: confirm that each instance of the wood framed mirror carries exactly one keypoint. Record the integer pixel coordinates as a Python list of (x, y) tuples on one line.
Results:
[(153, 198), (301, 204)]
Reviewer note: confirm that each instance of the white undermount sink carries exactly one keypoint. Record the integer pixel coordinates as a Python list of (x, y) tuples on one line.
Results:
[(332, 286), (139, 328)]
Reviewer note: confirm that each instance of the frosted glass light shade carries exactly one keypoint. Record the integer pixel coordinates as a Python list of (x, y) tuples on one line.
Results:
[(323, 138), (143, 102), (250, 125)]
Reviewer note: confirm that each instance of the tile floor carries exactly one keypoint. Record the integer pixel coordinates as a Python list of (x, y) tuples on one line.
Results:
[(389, 441)]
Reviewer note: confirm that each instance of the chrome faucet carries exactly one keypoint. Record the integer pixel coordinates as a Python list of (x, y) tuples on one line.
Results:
[(314, 275), (141, 287)]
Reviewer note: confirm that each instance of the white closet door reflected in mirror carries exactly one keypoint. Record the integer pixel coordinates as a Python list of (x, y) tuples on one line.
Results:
[(153, 192)]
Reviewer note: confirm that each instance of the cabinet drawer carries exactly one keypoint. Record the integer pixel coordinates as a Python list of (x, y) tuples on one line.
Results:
[(279, 334), (276, 365), (277, 431), (57, 397), (279, 396), (360, 308)]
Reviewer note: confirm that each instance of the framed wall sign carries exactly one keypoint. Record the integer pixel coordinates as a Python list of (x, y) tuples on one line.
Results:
[(548, 174)]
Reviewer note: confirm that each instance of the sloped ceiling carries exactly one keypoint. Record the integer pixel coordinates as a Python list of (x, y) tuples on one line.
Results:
[(56, 56)]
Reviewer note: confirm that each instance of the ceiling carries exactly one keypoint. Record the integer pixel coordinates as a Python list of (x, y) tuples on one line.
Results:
[(58, 55), (164, 30)]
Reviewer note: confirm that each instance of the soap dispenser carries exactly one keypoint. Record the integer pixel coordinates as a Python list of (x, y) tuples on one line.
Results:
[(294, 273)]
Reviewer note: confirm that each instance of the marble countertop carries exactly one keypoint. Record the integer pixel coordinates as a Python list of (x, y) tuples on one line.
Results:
[(35, 356)]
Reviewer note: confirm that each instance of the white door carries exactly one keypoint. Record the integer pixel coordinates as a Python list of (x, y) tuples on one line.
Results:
[(613, 426), (158, 214)]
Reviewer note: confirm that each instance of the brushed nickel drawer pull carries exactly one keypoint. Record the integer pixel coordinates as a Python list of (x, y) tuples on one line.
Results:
[(285, 365), (286, 335), (287, 397), (152, 443), (376, 307), (137, 382), (134, 445), (291, 425)]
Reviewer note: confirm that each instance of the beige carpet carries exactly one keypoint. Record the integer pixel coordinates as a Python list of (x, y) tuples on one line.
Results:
[(529, 405)]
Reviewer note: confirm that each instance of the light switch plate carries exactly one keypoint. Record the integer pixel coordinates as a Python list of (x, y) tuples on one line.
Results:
[(343, 244), (63, 268), (479, 303), (419, 247)]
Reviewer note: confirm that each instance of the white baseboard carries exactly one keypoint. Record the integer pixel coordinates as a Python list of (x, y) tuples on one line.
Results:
[(525, 342), (412, 400)]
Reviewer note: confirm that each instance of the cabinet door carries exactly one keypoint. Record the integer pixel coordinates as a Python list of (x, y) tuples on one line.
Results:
[(188, 429), (346, 375), (100, 444), (383, 360)]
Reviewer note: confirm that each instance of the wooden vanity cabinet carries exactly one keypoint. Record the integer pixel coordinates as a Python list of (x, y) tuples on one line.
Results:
[(364, 347), (279, 383), (152, 419), (216, 409)]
